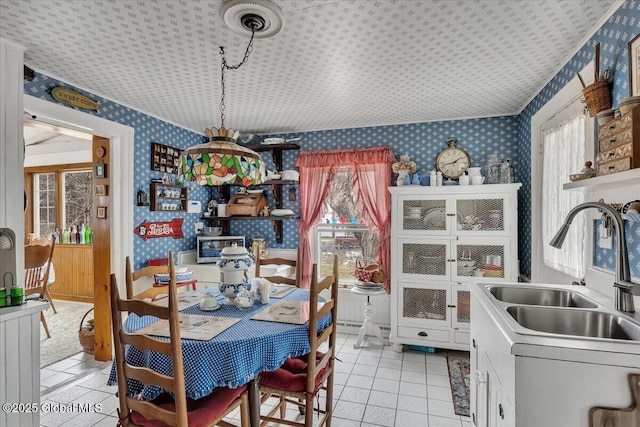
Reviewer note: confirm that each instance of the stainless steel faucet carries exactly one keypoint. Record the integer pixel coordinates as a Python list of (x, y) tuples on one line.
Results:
[(625, 288)]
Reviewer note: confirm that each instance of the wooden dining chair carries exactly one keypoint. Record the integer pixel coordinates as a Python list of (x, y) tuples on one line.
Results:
[(41, 241), (279, 261), (165, 261), (171, 408), (147, 275), (300, 379), (37, 264)]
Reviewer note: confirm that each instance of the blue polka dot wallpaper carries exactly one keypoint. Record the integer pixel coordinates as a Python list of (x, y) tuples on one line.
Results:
[(613, 37)]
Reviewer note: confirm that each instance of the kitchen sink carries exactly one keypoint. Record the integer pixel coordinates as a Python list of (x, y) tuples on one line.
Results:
[(584, 323), (540, 296)]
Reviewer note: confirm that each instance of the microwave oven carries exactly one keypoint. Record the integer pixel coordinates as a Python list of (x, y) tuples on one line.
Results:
[(209, 248)]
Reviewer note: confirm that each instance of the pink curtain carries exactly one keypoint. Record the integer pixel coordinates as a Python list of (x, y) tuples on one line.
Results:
[(371, 168), (373, 199)]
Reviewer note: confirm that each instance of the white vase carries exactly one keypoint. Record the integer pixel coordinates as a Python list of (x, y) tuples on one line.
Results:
[(401, 175)]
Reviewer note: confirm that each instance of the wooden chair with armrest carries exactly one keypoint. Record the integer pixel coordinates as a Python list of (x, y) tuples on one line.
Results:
[(41, 241), (147, 273), (172, 407), (279, 261), (300, 379), (165, 261), (37, 264)]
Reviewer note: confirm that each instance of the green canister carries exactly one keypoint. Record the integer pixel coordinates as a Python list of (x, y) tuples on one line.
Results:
[(3, 297), (17, 295)]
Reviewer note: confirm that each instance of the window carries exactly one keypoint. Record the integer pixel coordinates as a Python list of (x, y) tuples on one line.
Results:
[(44, 204), (342, 233), (61, 198), (564, 153)]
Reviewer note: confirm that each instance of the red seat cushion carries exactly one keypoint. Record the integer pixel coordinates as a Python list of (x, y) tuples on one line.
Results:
[(292, 376), (200, 412)]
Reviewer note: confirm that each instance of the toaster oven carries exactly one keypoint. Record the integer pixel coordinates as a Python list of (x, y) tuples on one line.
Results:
[(209, 248)]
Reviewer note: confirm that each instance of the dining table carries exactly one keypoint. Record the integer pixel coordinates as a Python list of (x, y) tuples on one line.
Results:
[(231, 359)]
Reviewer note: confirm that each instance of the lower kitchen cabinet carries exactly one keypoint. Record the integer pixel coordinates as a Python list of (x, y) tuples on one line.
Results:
[(431, 313), (518, 381)]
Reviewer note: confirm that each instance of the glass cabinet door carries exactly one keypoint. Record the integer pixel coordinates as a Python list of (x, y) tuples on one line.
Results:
[(461, 298), (423, 214), (482, 259), (426, 260), (481, 215), (424, 304)]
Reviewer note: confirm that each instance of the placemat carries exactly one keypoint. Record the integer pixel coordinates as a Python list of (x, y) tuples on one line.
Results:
[(192, 327)]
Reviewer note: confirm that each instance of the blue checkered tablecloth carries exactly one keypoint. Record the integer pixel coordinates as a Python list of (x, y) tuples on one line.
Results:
[(230, 359)]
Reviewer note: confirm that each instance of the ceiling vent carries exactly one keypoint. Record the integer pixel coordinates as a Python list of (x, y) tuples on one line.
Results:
[(262, 16)]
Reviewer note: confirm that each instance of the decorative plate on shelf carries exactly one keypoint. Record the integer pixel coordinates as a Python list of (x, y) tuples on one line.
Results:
[(258, 191), (282, 212)]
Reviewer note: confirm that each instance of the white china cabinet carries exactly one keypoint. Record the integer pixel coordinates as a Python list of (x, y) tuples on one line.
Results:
[(441, 239)]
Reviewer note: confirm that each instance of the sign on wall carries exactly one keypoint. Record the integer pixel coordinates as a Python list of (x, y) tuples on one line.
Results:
[(153, 229), (73, 98)]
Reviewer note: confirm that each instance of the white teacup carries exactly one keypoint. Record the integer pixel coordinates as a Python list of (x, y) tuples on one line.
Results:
[(463, 180), (477, 180)]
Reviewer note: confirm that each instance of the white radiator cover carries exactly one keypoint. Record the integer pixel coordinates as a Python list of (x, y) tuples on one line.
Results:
[(351, 311)]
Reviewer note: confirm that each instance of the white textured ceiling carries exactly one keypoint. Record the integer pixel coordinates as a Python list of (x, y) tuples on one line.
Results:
[(335, 64)]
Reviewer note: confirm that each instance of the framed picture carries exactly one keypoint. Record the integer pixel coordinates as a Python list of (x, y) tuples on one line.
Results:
[(101, 190), (100, 170), (102, 212), (634, 66)]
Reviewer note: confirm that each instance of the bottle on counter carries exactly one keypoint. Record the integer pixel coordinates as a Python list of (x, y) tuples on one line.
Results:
[(73, 235), (432, 179), (439, 179), (65, 236), (88, 235), (81, 234), (56, 235)]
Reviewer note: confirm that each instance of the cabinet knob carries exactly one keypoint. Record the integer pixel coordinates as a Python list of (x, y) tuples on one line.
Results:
[(501, 411), (423, 334), (473, 343)]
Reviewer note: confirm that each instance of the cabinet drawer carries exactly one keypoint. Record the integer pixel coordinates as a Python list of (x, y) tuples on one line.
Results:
[(615, 126), (618, 152), (460, 337), (614, 166), (613, 141), (425, 334)]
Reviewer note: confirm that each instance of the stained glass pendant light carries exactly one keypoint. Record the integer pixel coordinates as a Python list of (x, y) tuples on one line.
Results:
[(221, 160)]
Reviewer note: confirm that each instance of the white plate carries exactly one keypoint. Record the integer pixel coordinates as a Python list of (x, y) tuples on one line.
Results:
[(282, 212), (255, 191), (435, 217)]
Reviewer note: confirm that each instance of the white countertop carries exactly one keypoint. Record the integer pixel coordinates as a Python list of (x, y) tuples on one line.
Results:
[(14, 312), (551, 346)]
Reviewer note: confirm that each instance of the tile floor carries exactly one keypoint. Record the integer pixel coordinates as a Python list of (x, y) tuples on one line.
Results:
[(374, 386)]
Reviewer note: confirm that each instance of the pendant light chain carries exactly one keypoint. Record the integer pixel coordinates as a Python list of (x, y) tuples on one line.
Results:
[(224, 66)]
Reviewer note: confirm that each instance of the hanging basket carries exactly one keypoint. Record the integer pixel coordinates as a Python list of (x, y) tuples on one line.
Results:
[(597, 97), (369, 270), (86, 336)]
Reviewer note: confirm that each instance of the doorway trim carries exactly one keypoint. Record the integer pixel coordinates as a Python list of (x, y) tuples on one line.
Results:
[(121, 184), (564, 96)]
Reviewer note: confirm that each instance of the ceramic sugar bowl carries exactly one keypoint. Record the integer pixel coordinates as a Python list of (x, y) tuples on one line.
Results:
[(233, 267)]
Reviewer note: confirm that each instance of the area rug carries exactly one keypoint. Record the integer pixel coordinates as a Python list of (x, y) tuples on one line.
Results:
[(64, 328), (459, 368)]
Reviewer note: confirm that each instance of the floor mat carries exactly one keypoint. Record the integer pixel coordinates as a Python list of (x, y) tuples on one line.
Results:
[(63, 327), (459, 369)]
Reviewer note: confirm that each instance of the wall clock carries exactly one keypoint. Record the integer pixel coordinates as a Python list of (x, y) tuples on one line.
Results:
[(453, 161)]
